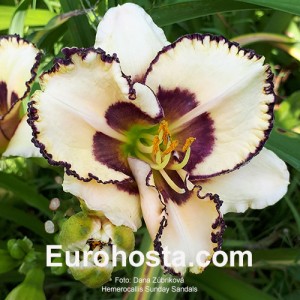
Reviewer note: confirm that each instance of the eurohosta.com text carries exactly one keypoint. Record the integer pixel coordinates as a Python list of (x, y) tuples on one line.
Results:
[(151, 258)]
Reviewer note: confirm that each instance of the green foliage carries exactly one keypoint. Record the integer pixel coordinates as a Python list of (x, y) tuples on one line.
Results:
[(271, 27)]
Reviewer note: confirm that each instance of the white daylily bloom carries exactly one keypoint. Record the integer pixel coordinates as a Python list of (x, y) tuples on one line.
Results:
[(195, 110)]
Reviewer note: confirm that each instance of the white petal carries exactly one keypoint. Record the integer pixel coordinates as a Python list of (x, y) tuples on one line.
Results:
[(151, 208), (189, 228), (260, 183), (18, 61), (20, 144), (230, 98), (129, 31), (118, 205), (69, 117), (83, 110)]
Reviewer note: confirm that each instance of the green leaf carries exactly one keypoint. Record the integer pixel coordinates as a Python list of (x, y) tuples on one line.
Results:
[(171, 12), (295, 295), (18, 19), (290, 6), (278, 22), (37, 17), (46, 37), (6, 13), (145, 273), (222, 285), (286, 145), (276, 257), (288, 114), (80, 32), (25, 192), (24, 219)]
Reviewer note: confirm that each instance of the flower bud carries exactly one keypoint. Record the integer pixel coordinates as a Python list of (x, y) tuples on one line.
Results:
[(88, 242), (7, 263), (30, 288), (18, 249)]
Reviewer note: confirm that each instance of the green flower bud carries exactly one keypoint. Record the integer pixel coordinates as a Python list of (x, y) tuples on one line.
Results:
[(88, 242), (30, 288), (17, 252), (7, 263), (18, 249)]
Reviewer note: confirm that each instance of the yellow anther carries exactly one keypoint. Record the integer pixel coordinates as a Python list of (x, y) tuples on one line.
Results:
[(156, 143), (163, 127), (171, 148), (189, 141)]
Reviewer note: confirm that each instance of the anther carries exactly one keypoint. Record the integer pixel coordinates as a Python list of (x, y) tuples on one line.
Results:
[(156, 143), (189, 141), (163, 127), (171, 148)]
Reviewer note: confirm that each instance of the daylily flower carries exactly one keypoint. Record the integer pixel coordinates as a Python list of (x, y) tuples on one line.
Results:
[(166, 140), (19, 60)]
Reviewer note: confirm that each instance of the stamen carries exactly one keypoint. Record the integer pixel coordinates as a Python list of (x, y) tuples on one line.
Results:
[(158, 157), (157, 150), (157, 166), (156, 143), (163, 127), (160, 135), (147, 136), (183, 163), (145, 159), (144, 148), (171, 182), (189, 141), (162, 164), (171, 148)]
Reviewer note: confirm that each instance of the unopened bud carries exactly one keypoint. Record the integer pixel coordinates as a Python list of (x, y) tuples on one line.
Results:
[(7, 263), (89, 233), (18, 249)]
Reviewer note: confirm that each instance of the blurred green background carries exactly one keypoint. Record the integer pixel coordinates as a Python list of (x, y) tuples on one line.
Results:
[(271, 28)]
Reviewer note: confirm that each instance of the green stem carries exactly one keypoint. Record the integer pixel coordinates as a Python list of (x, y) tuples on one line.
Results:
[(149, 287)]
